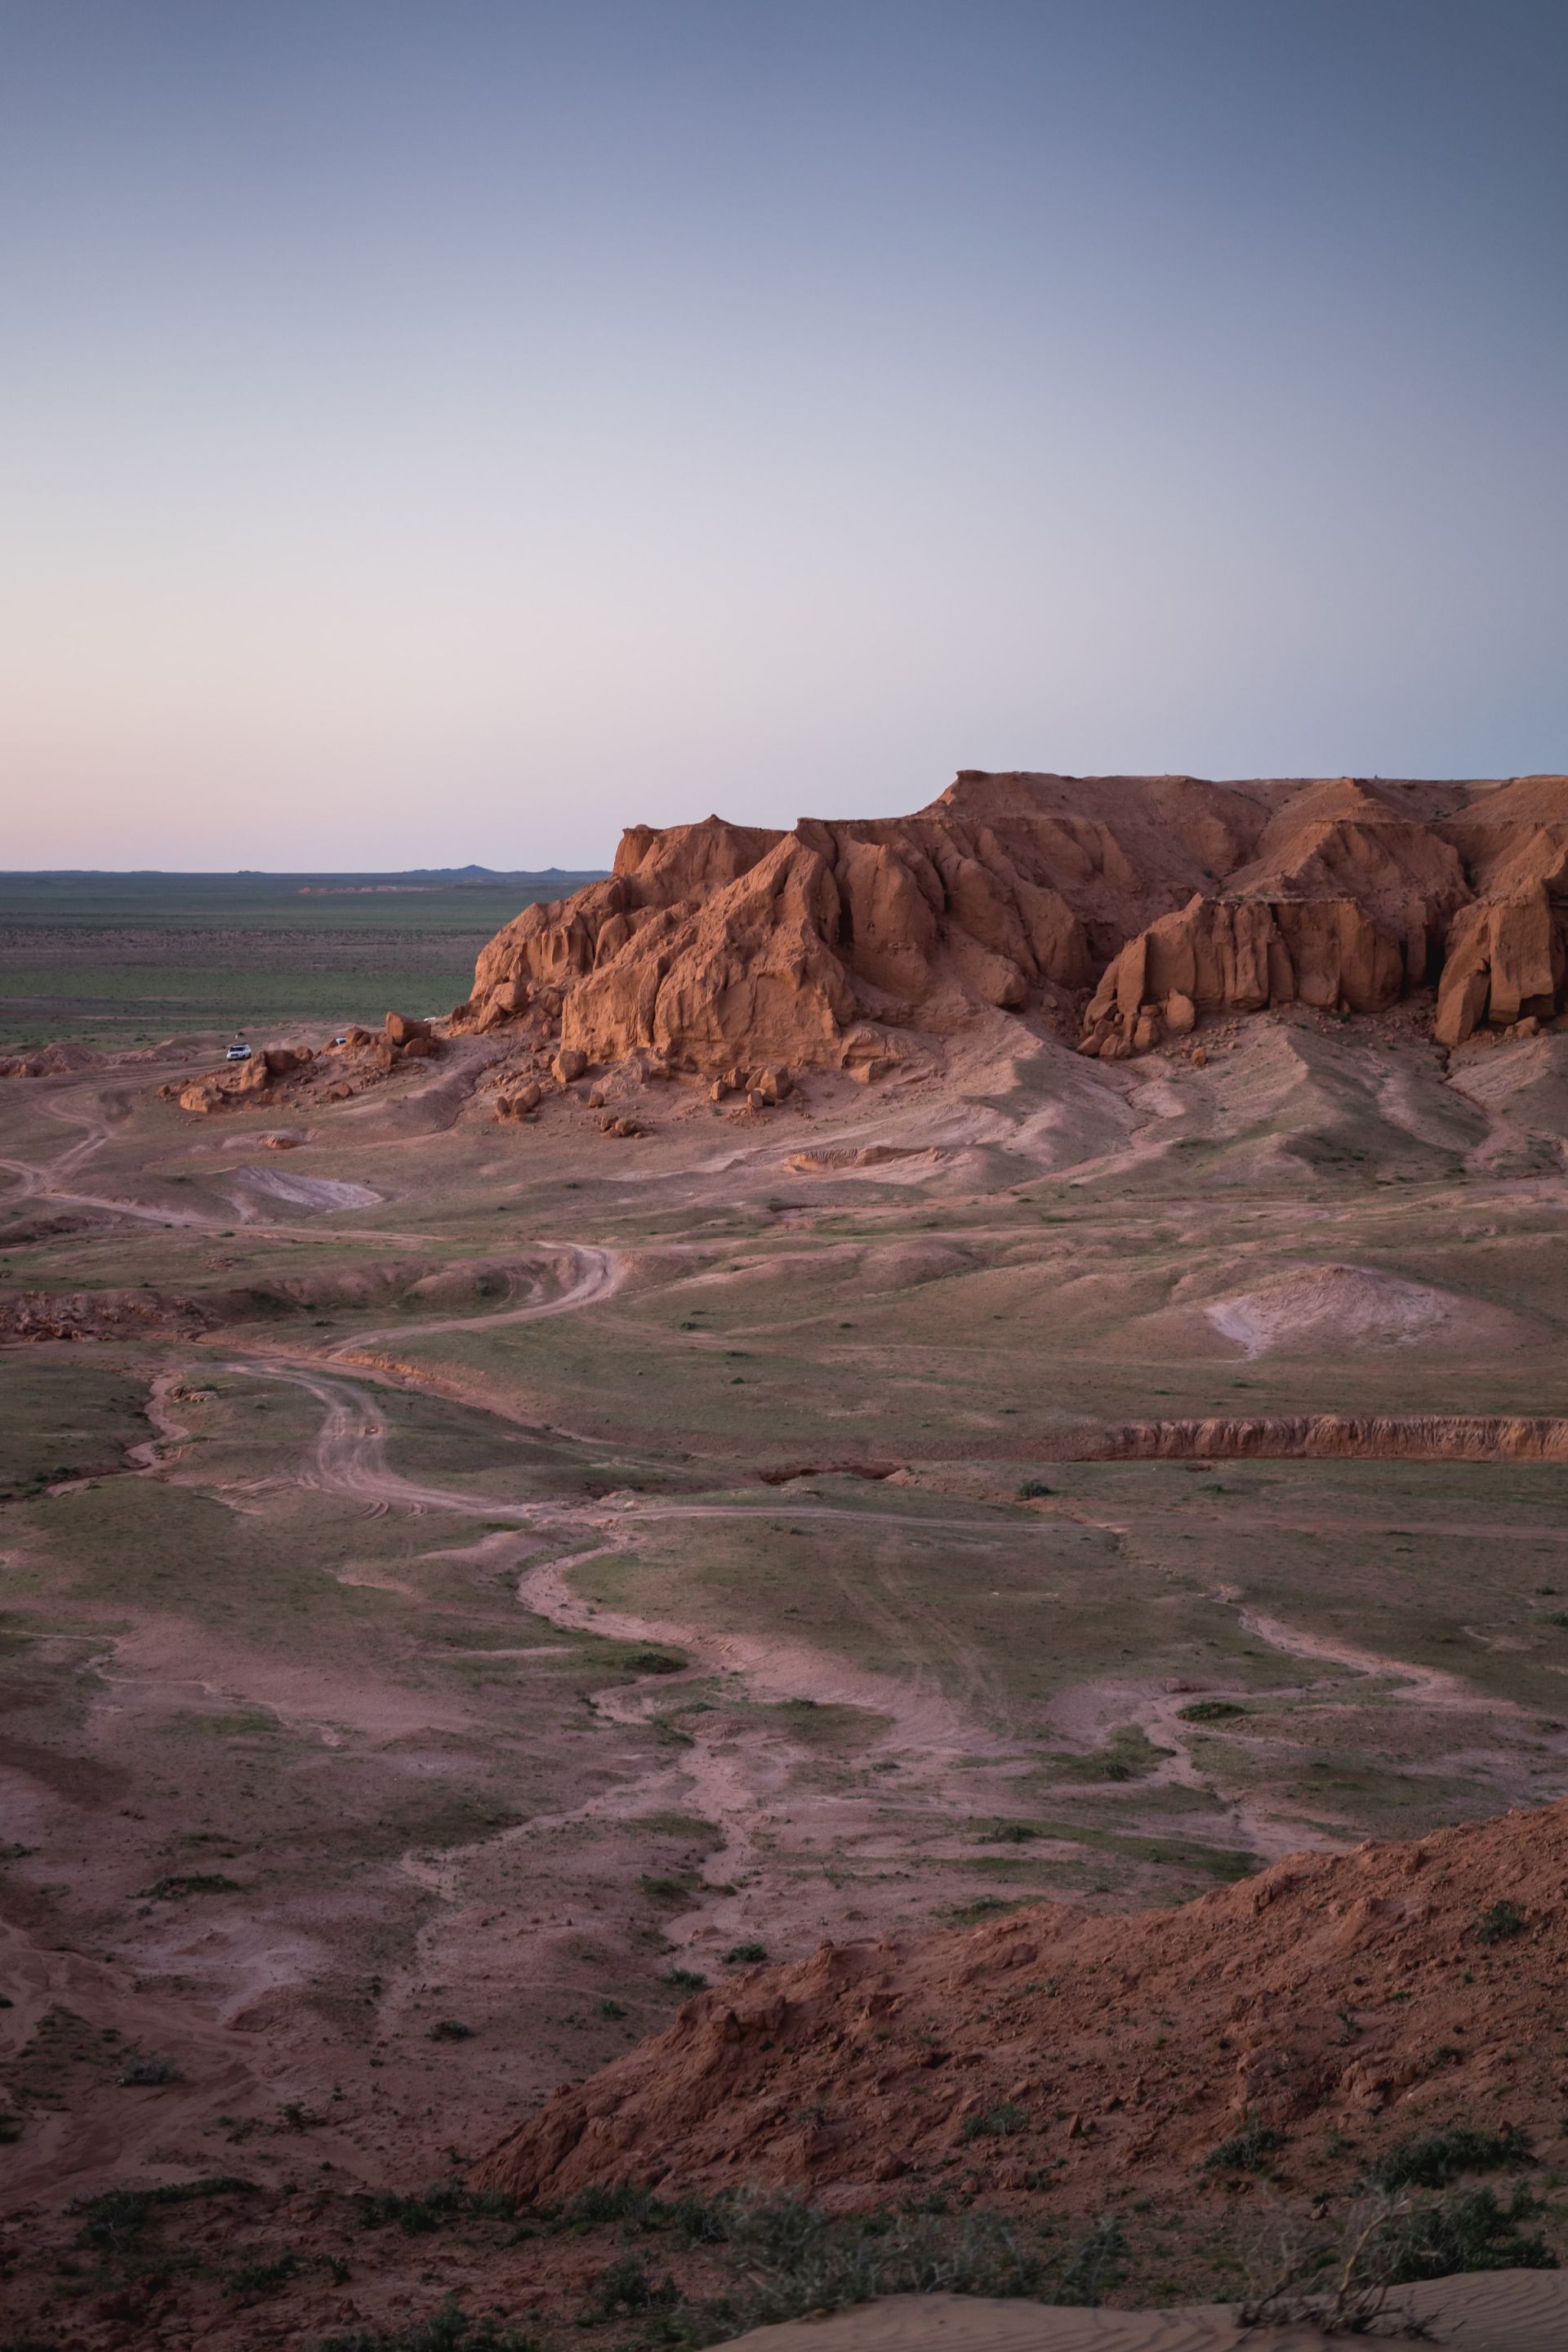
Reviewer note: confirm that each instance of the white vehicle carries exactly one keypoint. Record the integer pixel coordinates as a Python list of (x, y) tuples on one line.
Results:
[(238, 1054)]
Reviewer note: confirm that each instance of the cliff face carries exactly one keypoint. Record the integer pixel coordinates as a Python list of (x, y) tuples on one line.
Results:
[(1155, 898)]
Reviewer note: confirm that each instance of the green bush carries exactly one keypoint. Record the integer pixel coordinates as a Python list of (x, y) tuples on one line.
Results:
[(142, 2071), (996, 2123), (1469, 2233), (432, 2207), (625, 2290), (201, 1882), (1244, 2151), (1434, 2162), (446, 2330), (252, 2279), (1096, 2264), (1498, 1921)]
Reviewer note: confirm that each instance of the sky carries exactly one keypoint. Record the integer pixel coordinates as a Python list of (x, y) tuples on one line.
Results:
[(452, 431)]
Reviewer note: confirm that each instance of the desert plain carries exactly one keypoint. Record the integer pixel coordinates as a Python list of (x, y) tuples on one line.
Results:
[(501, 1541)]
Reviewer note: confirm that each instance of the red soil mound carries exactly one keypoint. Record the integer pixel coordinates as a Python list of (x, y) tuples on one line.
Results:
[(715, 942), (1108, 2055)]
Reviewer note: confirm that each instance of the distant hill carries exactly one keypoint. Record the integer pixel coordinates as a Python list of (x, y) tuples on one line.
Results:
[(575, 875)]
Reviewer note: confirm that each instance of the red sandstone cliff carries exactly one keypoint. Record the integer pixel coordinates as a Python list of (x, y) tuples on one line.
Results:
[(1155, 897)]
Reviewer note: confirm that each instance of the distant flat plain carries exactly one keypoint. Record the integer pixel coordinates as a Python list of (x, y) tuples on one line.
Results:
[(122, 958)]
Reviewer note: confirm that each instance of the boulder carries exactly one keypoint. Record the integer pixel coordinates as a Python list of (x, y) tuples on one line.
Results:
[(422, 1048), (569, 1064), (399, 1027)]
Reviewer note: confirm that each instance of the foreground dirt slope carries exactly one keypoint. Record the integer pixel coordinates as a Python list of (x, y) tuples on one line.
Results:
[(1098, 2055), (724, 945)]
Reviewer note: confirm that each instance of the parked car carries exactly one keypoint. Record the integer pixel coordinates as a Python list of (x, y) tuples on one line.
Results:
[(238, 1054)]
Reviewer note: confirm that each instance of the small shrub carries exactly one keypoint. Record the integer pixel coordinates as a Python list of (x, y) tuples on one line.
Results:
[(1009, 1833), (612, 2010), (1469, 2233), (1498, 1921), (140, 2072), (1033, 1490), (1434, 2162), (1334, 2271), (996, 2123), (432, 2207), (446, 2330), (253, 2279), (1244, 2151), (1096, 2264), (450, 2029), (625, 2290), (684, 1980), (1210, 1710), (745, 1956), (666, 1890), (110, 2221), (200, 1882)]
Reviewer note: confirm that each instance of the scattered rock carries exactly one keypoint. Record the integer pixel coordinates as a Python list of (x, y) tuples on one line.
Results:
[(520, 1102)]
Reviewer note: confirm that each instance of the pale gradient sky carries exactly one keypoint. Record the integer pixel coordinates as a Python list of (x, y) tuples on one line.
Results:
[(448, 431)]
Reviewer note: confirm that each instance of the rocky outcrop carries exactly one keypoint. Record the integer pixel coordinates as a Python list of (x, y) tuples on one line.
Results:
[(1344, 906), (1507, 961), (1128, 907), (63, 1058), (1109, 2053), (713, 943)]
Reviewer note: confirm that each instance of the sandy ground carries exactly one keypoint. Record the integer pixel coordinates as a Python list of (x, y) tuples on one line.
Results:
[(1522, 2310)]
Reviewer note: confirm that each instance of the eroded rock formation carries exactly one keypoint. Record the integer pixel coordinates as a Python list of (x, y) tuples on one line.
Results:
[(1126, 906)]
